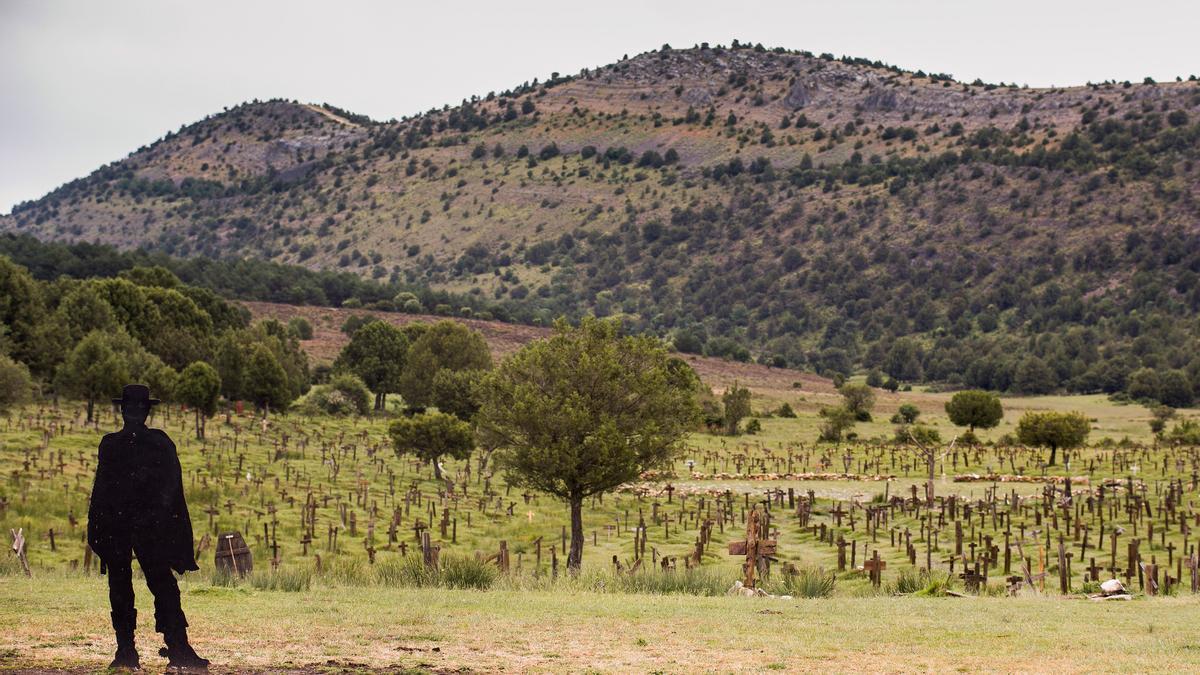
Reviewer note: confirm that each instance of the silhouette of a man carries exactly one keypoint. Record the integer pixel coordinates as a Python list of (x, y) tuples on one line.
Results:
[(137, 508)]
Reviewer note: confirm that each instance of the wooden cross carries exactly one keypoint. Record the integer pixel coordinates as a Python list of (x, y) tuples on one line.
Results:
[(752, 547), (874, 568)]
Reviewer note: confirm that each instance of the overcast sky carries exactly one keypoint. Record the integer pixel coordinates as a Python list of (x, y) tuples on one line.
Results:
[(84, 83)]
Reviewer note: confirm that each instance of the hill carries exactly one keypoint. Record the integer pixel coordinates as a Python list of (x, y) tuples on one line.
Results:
[(800, 210)]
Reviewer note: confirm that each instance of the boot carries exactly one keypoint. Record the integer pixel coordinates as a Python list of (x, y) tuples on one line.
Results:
[(180, 653), (126, 656)]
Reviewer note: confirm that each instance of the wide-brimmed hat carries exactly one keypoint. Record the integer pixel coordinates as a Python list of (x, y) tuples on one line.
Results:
[(133, 393)]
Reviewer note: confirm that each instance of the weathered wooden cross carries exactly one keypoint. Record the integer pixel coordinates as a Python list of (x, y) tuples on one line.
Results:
[(753, 547)]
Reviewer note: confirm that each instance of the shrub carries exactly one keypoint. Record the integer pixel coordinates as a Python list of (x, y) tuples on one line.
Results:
[(344, 395), (300, 327), (922, 583)]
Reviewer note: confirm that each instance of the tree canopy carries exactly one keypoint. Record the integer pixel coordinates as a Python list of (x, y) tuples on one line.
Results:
[(1054, 430), (431, 435), (975, 409), (585, 410)]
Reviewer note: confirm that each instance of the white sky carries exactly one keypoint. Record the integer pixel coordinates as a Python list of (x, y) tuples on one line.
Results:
[(84, 83)]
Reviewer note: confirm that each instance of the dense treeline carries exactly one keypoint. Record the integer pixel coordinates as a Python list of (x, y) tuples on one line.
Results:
[(244, 279), (87, 337)]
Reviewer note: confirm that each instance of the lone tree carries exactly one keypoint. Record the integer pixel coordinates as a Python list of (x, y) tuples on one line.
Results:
[(1054, 429), (859, 399), (586, 410), (737, 406), (975, 409), (199, 387), (431, 435), (376, 353)]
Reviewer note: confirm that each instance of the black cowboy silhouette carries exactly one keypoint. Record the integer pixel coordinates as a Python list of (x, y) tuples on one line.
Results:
[(138, 508)]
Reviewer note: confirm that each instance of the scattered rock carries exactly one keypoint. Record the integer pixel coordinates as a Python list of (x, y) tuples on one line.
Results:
[(1112, 587)]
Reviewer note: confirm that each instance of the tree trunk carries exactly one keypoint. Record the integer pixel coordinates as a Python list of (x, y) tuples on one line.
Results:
[(91, 408), (199, 426), (1053, 454), (575, 558), (437, 470)]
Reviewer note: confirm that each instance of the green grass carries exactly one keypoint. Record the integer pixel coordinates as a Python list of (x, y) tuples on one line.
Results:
[(62, 622)]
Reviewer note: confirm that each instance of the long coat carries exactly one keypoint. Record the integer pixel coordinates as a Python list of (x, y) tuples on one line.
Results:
[(137, 501)]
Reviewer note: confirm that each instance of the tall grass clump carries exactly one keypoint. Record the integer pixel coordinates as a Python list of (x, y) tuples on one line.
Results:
[(453, 571), (408, 571), (287, 579), (223, 577), (460, 571), (697, 581), (807, 582), (347, 571), (921, 583)]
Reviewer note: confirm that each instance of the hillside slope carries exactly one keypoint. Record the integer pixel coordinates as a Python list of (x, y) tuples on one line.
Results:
[(820, 213)]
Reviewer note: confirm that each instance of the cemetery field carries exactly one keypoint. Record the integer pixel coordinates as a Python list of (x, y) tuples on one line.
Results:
[(61, 622), (364, 559)]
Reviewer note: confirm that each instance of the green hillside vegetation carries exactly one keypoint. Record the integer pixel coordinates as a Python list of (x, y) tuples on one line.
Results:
[(826, 214)]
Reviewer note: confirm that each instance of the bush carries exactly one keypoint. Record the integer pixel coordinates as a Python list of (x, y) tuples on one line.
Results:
[(785, 410), (922, 434), (300, 327), (344, 395)]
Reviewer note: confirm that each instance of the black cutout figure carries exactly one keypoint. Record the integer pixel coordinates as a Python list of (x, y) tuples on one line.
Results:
[(137, 508)]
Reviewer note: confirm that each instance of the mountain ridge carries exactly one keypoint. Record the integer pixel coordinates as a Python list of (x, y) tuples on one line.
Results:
[(744, 201)]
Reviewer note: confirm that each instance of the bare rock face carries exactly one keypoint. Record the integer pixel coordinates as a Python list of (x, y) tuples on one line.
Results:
[(799, 95), (698, 96), (880, 100)]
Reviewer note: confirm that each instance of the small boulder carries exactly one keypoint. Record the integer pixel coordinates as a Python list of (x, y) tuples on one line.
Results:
[(1112, 587)]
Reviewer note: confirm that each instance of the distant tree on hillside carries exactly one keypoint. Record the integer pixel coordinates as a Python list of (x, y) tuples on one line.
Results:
[(446, 345), (199, 388), (975, 409), (1054, 430), (859, 399), (95, 368), (736, 402), (376, 353)]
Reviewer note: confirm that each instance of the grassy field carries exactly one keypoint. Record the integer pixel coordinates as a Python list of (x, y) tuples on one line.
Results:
[(255, 478), (61, 623)]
